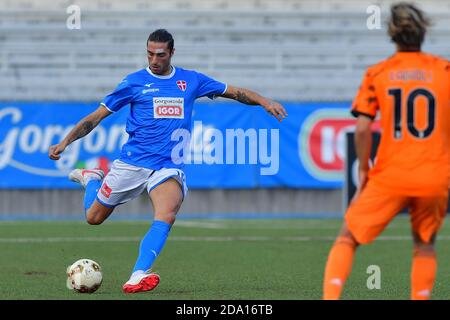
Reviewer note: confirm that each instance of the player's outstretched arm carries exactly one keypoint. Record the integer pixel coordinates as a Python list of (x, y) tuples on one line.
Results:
[(83, 127), (252, 98)]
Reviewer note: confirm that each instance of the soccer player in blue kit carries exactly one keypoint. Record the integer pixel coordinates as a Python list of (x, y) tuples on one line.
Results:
[(161, 97)]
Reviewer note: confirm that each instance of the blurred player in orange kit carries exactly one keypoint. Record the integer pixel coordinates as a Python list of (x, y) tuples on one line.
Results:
[(411, 90)]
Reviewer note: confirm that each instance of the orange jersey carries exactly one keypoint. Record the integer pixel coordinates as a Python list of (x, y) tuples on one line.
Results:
[(411, 90)]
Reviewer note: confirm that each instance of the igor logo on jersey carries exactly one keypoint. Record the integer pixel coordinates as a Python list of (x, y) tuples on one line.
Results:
[(168, 108)]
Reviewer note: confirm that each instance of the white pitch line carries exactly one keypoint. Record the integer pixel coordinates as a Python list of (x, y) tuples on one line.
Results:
[(200, 224), (192, 238)]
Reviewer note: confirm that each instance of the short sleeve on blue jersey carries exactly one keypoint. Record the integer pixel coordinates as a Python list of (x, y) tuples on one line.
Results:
[(120, 97), (209, 87)]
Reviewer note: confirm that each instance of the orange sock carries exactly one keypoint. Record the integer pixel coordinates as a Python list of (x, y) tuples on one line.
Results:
[(423, 274), (338, 268)]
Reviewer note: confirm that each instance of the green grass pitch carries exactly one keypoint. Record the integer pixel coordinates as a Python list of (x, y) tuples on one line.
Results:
[(208, 259)]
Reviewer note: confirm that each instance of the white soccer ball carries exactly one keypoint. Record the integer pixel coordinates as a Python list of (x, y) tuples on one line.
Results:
[(84, 275)]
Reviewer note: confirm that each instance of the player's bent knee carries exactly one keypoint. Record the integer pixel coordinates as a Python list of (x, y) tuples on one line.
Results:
[(345, 235), (96, 216), (94, 221), (347, 240), (93, 218), (427, 250), (424, 248)]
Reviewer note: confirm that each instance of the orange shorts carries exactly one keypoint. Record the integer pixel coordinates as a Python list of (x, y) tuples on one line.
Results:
[(372, 211)]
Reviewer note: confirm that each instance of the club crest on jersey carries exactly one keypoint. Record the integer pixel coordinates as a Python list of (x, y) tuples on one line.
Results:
[(182, 85)]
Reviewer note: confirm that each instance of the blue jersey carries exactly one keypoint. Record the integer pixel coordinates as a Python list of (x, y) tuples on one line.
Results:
[(159, 105)]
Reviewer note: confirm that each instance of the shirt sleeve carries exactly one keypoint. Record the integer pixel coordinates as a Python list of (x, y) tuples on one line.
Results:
[(209, 87), (366, 101), (120, 97)]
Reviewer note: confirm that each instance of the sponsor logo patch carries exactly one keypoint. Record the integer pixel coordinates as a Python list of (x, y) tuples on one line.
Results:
[(106, 190), (168, 108)]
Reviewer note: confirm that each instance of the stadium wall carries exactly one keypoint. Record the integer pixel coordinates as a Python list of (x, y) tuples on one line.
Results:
[(68, 204)]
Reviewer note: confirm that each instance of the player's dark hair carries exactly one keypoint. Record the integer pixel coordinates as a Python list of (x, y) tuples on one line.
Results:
[(408, 25), (162, 35)]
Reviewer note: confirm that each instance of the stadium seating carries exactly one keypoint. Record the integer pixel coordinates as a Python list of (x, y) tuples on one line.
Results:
[(290, 50)]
